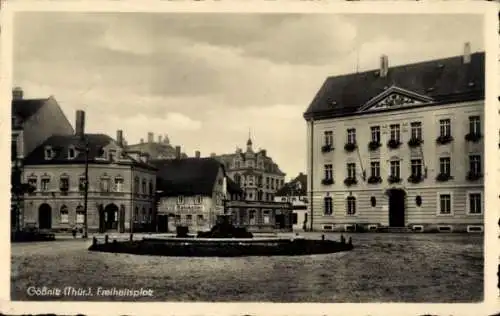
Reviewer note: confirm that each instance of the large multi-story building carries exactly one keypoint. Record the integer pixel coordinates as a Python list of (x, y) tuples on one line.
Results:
[(399, 147), (295, 193), (33, 122), (121, 186), (255, 172)]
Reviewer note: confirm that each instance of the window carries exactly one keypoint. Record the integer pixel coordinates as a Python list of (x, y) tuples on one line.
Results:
[(351, 170), (143, 215), (351, 205), (328, 171), (418, 200), (105, 184), (266, 218), (295, 218), (475, 125), (32, 181), (189, 219), (199, 219), (475, 164), (373, 201), (416, 168), (80, 214), (197, 199), (416, 130), (395, 132), (111, 155), (64, 214), (283, 199), (64, 184), (351, 136), (136, 184), (267, 183), (71, 153), (144, 187), (177, 219), (251, 217), (45, 184), (136, 214), (119, 184), (49, 153), (395, 169), (375, 134), (250, 196), (375, 169), (81, 184), (236, 164), (151, 188), (180, 199), (328, 210), (444, 166), (250, 180), (474, 205), (445, 204), (13, 150), (237, 179), (329, 138), (445, 128)]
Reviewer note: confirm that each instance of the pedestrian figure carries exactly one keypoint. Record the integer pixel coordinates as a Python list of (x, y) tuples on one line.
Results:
[(73, 231)]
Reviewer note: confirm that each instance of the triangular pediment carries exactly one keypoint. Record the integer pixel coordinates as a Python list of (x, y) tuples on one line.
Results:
[(395, 97)]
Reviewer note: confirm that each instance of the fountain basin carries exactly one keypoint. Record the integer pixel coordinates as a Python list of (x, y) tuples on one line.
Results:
[(223, 247)]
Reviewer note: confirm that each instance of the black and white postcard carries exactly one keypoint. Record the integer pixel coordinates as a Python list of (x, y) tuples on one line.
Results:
[(217, 153)]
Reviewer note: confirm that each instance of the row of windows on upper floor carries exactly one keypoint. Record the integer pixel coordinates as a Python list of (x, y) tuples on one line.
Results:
[(416, 138), (417, 174), (106, 184), (198, 199), (250, 180), (260, 196), (79, 215), (445, 206)]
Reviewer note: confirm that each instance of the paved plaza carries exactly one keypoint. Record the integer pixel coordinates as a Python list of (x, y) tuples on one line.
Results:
[(381, 268)]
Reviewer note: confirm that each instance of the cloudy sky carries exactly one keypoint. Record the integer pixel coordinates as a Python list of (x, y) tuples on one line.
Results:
[(206, 79)]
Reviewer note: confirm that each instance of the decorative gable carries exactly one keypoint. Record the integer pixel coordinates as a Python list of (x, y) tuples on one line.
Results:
[(395, 97)]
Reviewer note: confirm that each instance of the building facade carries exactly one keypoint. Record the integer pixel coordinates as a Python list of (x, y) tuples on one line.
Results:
[(295, 193), (192, 193), (159, 149), (120, 192), (32, 122), (260, 216), (255, 172), (399, 147)]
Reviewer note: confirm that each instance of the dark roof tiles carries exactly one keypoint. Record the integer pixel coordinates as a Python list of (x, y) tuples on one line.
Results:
[(444, 80), (26, 108), (293, 188)]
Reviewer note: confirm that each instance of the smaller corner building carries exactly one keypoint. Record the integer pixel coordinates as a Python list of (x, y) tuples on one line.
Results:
[(193, 192), (121, 185), (399, 147)]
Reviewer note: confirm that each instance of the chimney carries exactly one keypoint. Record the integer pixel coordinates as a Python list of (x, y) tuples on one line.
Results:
[(80, 123), (119, 137), (159, 139), (212, 155), (197, 154), (142, 140), (177, 152), (384, 66), (17, 93), (467, 53), (151, 138)]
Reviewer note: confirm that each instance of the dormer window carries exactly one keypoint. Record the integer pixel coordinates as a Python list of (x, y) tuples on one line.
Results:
[(197, 199), (112, 155), (101, 153), (49, 153), (71, 153)]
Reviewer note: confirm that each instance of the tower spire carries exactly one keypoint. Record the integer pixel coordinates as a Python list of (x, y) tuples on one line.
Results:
[(249, 142)]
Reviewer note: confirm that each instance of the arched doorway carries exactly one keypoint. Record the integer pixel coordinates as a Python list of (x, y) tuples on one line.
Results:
[(110, 216), (397, 199), (45, 216)]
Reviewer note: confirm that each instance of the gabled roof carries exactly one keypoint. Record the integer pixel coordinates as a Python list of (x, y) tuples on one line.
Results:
[(188, 176), (444, 81), (25, 108), (60, 145), (297, 186)]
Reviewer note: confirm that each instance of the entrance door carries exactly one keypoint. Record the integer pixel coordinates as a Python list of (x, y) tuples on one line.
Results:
[(45, 216), (397, 208), (280, 221), (162, 223), (122, 218), (110, 216)]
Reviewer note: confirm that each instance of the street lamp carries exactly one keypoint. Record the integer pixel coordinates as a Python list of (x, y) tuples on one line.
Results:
[(85, 148)]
